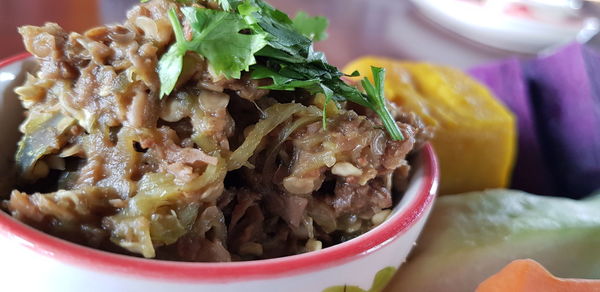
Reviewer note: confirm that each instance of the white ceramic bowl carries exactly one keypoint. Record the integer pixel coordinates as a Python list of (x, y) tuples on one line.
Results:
[(34, 261)]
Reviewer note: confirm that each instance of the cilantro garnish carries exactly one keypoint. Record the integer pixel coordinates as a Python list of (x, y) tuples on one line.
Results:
[(253, 36), (215, 36), (314, 28)]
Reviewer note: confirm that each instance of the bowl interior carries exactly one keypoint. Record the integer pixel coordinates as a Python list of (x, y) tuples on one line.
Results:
[(410, 208)]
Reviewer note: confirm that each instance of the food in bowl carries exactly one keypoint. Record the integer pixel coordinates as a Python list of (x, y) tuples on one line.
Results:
[(202, 131)]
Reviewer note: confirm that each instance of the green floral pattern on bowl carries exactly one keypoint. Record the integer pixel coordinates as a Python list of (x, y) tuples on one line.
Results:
[(382, 278)]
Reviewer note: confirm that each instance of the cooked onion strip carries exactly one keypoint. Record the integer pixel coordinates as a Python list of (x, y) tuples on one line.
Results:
[(276, 115), (269, 167)]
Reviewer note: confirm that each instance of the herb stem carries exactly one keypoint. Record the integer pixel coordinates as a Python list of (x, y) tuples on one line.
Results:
[(390, 124), (177, 28)]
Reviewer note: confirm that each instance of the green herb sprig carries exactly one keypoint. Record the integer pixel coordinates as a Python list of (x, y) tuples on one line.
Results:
[(215, 36), (253, 36)]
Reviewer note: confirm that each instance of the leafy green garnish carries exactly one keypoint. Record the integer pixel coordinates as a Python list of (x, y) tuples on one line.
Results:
[(171, 63), (292, 63), (315, 28), (225, 4), (376, 98), (231, 39), (215, 36)]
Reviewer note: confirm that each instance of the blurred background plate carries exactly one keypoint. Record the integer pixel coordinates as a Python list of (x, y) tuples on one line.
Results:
[(523, 26)]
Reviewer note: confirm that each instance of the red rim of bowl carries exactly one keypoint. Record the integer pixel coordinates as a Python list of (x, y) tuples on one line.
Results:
[(85, 257)]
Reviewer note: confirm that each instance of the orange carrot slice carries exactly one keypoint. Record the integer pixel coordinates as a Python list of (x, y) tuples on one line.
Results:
[(528, 275)]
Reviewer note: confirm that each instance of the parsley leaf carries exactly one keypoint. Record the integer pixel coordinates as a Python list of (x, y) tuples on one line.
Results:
[(313, 28), (215, 36), (283, 39), (171, 63), (225, 4), (281, 82), (230, 5), (169, 69)]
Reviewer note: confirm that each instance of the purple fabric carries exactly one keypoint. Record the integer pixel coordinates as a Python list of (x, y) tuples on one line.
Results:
[(556, 99), (505, 80), (564, 92)]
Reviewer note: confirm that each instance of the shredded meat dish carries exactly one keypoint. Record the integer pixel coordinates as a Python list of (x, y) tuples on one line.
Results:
[(219, 170)]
